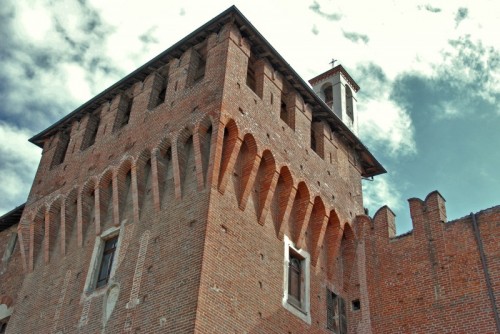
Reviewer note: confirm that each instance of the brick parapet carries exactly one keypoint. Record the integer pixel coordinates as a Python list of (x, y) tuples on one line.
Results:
[(434, 271)]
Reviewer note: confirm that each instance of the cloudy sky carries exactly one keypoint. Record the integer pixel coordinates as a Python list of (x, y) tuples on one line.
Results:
[(429, 74)]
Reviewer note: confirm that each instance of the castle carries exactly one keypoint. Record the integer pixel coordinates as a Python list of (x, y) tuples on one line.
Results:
[(212, 190)]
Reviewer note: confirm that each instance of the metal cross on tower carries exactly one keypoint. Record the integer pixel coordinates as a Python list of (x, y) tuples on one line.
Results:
[(333, 62)]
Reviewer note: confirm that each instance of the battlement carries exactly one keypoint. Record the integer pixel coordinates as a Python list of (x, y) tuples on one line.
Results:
[(427, 216), (435, 270)]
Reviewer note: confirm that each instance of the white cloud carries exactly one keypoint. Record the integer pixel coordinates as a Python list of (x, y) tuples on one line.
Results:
[(17, 168), (401, 37), (387, 127), (34, 21), (379, 192), (74, 77)]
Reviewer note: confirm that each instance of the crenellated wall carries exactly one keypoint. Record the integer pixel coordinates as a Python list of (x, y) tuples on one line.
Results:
[(268, 183), (431, 279), (158, 173), (211, 166)]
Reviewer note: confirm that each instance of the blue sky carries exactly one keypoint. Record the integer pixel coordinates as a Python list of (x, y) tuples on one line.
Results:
[(429, 74)]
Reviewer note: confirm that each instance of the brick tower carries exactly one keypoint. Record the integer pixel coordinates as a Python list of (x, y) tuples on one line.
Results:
[(209, 191)]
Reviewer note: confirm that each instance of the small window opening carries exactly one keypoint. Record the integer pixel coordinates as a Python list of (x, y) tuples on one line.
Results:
[(127, 111), (90, 132), (199, 63), (159, 91), (123, 112), (313, 140), (251, 74), (161, 96), (356, 305), (108, 255), (61, 148), (284, 112)]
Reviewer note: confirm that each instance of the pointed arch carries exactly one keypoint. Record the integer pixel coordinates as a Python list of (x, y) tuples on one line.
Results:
[(332, 241), (165, 167), (205, 130), (282, 200), (229, 147), (144, 182), (104, 201), (37, 235), (264, 185), (69, 219), (348, 250), (52, 228), (245, 169), (87, 209), (299, 213), (316, 229), (123, 196), (186, 161)]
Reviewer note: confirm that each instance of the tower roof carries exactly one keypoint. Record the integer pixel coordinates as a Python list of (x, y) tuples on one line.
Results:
[(263, 49), (335, 70)]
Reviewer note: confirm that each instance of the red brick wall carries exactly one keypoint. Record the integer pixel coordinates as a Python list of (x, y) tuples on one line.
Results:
[(204, 188), (11, 268), (242, 280), (151, 178), (431, 279)]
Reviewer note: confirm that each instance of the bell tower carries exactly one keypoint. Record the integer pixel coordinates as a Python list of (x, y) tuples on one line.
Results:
[(338, 90)]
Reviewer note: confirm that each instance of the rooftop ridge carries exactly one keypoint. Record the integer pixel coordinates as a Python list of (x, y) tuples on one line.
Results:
[(232, 15)]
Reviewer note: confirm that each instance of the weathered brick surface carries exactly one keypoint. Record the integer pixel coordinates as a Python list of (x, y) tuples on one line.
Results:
[(203, 189), (431, 280)]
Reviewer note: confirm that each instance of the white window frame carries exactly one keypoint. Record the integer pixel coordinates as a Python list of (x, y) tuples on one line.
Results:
[(304, 312), (95, 262)]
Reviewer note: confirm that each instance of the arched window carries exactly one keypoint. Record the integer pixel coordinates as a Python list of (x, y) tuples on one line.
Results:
[(328, 94), (349, 104)]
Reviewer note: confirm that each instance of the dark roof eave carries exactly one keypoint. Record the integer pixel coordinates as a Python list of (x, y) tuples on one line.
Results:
[(12, 217)]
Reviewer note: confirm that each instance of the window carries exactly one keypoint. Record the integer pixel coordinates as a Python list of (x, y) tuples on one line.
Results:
[(296, 281), (159, 90), (108, 255), (104, 260), (161, 96), (127, 109), (336, 320), (284, 112), (90, 132), (251, 73), (328, 94), (314, 147), (61, 148), (123, 112), (349, 103), (198, 64)]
